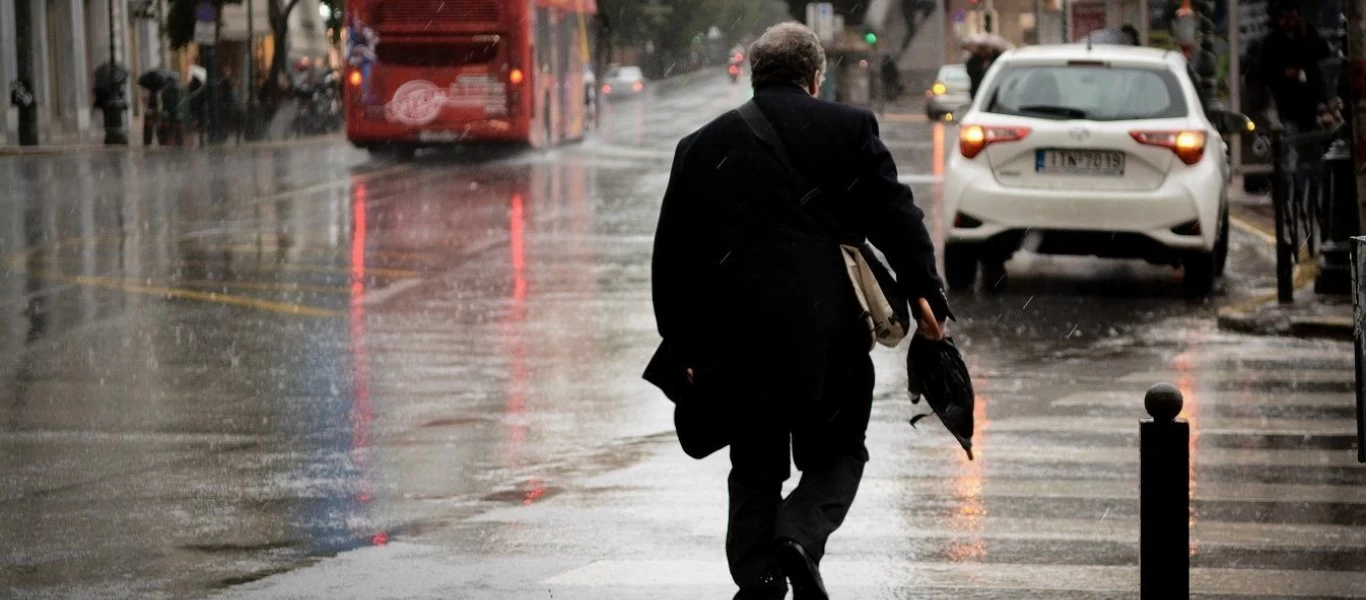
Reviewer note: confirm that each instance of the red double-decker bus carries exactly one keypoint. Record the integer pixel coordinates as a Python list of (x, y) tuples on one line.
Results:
[(434, 72)]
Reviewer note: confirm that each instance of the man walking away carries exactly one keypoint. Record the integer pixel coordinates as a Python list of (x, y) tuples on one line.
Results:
[(753, 301)]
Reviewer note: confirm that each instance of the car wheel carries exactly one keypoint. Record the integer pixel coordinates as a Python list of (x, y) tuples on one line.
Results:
[(993, 274), (960, 266), (1199, 273)]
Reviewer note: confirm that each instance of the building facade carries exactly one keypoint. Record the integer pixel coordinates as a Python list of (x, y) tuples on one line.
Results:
[(71, 38)]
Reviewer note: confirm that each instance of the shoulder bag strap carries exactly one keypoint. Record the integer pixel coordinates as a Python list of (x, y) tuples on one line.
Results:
[(763, 129)]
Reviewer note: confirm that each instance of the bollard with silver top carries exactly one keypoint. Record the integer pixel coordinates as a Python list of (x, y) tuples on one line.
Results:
[(1164, 497)]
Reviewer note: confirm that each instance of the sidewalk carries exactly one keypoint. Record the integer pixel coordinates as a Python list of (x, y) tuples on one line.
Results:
[(276, 136), (1311, 315)]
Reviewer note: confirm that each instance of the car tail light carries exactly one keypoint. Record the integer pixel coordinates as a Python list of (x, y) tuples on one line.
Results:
[(972, 139), (939, 89), (739, 57), (733, 70), (606, 89), (515, 77), (637, 86), (1189, 146)]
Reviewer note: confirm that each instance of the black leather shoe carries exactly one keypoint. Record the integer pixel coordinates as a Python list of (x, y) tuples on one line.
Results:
[(801, 571), (771, 586)]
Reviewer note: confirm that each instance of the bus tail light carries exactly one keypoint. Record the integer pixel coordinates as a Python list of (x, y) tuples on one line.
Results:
[(354, 78), (516, 77), (972, 139), (1189, 146)]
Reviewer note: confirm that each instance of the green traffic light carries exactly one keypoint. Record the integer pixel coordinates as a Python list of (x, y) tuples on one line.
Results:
[(870, 37)]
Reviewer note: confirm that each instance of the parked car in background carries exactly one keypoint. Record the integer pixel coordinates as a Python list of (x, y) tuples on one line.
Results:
[(623, 82), (951, 90), (1102, 151)]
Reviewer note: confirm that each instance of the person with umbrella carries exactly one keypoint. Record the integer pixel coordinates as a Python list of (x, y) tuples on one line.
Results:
[(984, 50), (154, 81)]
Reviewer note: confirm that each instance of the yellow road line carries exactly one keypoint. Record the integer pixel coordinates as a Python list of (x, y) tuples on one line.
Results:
[(905, 117), (1267, 234), (264, 267), (253, 285), (1305, 271), (168, 292)]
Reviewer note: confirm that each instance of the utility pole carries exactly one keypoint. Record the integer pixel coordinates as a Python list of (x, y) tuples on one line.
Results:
[(21, 91), (115, 84), (250, 75), (206, 36)]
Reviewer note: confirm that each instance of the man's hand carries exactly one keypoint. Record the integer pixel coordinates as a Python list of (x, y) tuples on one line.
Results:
[(930, 327)]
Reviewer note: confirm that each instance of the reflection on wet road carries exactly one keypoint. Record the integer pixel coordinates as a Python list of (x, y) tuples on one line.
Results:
[(224, 366)]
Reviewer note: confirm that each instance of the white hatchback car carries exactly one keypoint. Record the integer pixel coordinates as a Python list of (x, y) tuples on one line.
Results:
[(1100, 151)]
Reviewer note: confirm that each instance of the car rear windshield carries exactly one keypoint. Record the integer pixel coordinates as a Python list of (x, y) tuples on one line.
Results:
[(1093, 92), (953, 74)]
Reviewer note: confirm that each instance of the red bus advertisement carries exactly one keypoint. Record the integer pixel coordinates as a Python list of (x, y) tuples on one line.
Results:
[(434, 72)]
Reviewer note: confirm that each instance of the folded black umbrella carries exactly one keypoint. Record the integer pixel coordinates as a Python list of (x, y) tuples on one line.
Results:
[(936, 372)]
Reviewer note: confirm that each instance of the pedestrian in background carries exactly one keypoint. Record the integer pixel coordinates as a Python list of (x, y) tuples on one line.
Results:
[(1131, 34), (980, 59), (1290, 67), (759, 319)]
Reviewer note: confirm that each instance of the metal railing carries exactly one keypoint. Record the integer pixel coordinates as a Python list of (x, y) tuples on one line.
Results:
[(1303, 183)]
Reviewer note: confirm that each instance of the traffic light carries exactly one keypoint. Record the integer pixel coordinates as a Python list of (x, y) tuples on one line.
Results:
[(871, 38)]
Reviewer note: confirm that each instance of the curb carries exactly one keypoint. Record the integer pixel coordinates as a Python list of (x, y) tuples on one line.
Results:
[(21, 151), (1260, 315)]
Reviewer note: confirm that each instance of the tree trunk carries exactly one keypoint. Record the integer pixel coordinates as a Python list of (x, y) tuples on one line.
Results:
[(279, 26), (278, 12)]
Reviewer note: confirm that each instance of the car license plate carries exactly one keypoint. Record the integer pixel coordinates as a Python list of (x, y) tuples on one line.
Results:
[(438, 136), (1079, 162)]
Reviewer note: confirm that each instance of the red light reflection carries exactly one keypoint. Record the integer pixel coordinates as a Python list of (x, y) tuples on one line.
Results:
[(513, 333), (1190, 411), (970, 513), (380, 539), (361, 411), (517, 241)]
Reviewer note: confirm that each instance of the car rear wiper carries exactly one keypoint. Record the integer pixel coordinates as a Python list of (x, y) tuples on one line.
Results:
[(1058, 111)]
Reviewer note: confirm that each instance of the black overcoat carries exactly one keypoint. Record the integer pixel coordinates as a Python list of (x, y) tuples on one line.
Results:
[(749, 291)]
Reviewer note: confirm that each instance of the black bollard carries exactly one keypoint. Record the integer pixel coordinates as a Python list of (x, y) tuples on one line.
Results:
[(1280, 204), (1358, 257), (1164, 497)]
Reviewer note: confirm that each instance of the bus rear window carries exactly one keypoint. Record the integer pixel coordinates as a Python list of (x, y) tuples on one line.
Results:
[(422, 15), (439, 54)]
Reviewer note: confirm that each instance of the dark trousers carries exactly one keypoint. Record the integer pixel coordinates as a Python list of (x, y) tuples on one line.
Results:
[(828, 448)]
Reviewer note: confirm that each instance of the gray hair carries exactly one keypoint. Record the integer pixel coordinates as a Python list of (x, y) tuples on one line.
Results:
[(786, 53)]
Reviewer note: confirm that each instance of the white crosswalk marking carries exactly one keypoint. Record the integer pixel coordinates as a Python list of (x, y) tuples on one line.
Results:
[(919, 575)]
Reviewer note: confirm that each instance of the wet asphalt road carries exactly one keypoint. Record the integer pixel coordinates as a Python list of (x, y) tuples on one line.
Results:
[(299, 372)]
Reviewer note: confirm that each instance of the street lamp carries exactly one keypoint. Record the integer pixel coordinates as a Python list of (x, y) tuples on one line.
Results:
[(114, 84)]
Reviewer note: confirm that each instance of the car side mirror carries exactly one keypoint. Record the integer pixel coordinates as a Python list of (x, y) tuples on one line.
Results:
[(1229, 122)]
